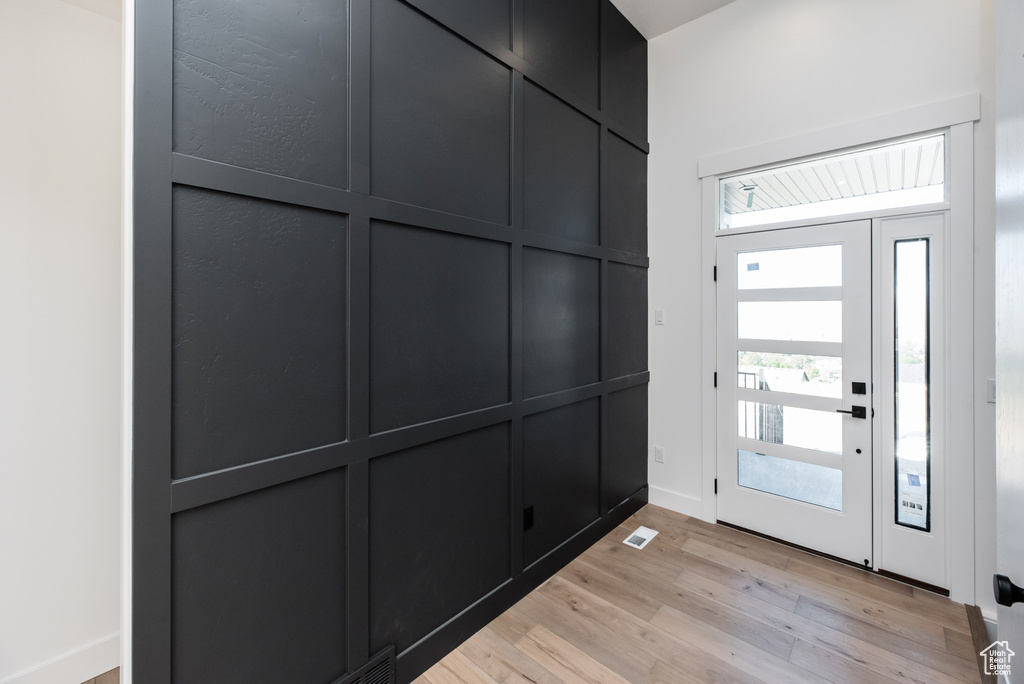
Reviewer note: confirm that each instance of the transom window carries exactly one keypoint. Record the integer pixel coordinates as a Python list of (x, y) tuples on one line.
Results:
[(908, 173)]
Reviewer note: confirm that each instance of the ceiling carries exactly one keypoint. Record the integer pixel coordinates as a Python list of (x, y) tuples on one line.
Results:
[(654, 17)]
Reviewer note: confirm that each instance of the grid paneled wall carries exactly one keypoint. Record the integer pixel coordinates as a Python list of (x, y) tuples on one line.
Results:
[(390, 322)]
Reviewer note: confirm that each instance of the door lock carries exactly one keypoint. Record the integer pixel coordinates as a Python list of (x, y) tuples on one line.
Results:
[(856, 411)]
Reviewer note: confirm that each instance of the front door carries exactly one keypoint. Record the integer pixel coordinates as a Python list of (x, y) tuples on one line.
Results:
[(794, 386)]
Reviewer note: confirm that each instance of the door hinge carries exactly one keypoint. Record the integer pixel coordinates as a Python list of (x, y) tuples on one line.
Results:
[(716, 378), (716, 485), (714, 271), (528, 517)]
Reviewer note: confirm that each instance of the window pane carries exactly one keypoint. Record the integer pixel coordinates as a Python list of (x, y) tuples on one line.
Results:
[(791, 321), (796, 427), (913, 447), (820, 376), (800, 267), (903, 174), (813, 484)]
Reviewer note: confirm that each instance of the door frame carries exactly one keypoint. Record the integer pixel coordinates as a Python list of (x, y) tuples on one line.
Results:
[(957, 116)]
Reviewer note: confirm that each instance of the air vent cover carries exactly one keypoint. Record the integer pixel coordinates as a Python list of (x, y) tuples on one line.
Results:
[(380, 670), (639, 539)]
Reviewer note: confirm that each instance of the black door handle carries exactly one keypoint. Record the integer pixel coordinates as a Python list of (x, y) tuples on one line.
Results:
[(856, 411), (1007, 593)]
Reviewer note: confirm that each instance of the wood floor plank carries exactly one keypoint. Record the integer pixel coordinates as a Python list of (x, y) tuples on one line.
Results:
[(879, 659), (944, 613), (936, 658), (598, 639), (706, 603), (512, 625), (638, 636), (833, 667), (564, 660), (737, 652), (624, 596), (884, 615), (710, 612), (960, 644), (503, 662)]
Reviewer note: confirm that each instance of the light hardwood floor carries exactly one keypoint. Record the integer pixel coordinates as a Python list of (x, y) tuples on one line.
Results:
[(111, 677), (706, 603)]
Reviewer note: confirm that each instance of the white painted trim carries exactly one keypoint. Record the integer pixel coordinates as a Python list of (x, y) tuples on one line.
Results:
[(960, 363), (876, 384), (674, 501), (127, 286), (841, 218), (709, 348), (991, 628), (867, 131), (79, 665)]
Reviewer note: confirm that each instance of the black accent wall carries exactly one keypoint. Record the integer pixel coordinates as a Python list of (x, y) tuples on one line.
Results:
[(390, 292)]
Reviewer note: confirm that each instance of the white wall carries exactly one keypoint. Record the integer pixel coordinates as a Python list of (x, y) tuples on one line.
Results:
[(60, 75), (756, 71)]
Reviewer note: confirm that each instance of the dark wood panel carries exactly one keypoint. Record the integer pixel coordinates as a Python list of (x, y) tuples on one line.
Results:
[(624, 450), (259, 586), (482, 19), (560, 480), (404, 235), (439, 325), (623, 71), (561, 168), (439, 537), (623, 195), (264, 85), (258, 330), (626, 309), (561, 321), (563, 39), (439, 117)]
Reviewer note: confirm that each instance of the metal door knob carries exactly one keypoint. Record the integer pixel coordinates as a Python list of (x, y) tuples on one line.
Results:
[(1007, 593)]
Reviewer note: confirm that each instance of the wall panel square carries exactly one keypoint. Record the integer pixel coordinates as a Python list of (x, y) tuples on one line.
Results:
[(493, 18), (562, 38), (440, 124), (439, 325), (259, 332), (623, 71), (561, 168), (623, 196), (561, 453), (439, 532), (626, 345), (258, 593), (561, 321), (625, 445), (264, 85)]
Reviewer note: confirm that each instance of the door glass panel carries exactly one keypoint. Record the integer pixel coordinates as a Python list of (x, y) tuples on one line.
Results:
[(807, 482), (913, 447), (796, 427), (820, 376), (790, 321), (800, 267)]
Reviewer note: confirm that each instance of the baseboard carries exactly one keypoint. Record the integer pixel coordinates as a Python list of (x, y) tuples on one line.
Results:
[(79, 665), (990, 628), (674, 501)]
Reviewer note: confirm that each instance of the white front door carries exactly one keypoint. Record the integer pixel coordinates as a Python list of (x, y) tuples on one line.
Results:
[(794, 386)]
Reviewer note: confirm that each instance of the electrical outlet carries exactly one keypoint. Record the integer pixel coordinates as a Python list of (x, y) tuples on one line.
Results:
[(659, 454)]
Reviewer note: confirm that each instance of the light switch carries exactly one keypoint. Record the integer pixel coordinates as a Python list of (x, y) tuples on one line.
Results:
[(659, 317)]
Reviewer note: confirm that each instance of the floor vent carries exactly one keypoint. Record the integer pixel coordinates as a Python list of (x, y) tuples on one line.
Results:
[(639, 539), (380, 670)]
